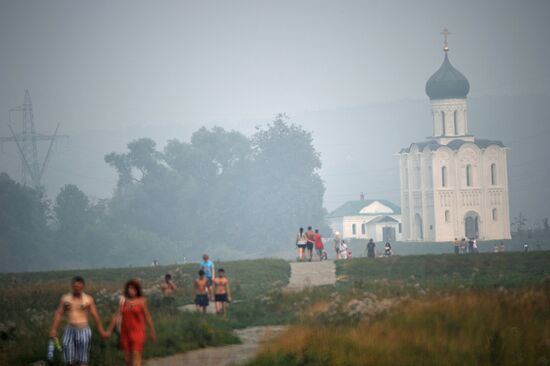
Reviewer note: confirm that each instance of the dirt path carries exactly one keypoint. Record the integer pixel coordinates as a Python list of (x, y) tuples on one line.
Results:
[(252, 339), (307, 274)]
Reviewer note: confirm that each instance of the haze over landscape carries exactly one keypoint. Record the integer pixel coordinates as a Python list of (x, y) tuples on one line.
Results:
[(353, 73)]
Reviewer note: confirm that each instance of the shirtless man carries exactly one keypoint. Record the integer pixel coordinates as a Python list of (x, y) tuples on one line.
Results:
[(310, 235), (222, 293), (201, 292), (167, 287), (77, 337)]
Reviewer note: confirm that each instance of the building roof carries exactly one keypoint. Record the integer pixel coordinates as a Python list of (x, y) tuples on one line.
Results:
[(353, 208), (453, 145), (382, 218), (447, 82)]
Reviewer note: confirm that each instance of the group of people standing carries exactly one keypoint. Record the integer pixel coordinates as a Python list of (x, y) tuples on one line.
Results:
[(132, 317), (306, 241), (463, 246)]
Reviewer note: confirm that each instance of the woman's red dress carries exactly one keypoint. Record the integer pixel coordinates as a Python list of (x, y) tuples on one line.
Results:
[(132, 332)]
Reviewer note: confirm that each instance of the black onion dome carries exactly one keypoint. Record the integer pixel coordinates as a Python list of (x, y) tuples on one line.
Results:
[(447, 82)]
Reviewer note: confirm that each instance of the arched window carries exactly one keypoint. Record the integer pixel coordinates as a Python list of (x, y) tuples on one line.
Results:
[(495, 214), (469, 180), (444, 176), (443, 130), (455, 119), (493, 174), (363, 229), (447, 216), (353, 229)]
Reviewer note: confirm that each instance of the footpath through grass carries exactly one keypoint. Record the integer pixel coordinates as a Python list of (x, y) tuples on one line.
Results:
[(479, 309), (28, 300)]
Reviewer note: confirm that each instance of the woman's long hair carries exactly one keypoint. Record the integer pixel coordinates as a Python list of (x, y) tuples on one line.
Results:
[(135, 284), (301, 231)]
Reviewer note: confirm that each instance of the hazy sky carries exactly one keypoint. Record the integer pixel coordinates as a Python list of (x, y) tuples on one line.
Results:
[(96, 65), (92, 64)]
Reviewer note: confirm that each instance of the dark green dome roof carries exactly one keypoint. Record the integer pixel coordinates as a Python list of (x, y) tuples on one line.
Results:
[(447, 82)]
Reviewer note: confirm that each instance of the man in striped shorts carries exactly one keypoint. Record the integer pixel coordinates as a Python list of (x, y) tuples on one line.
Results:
[(77, 337)]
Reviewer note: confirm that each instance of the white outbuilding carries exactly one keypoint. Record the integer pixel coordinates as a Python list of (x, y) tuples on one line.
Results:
[(364, 219)]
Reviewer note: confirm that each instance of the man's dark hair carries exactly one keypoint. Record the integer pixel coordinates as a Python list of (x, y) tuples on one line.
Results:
[(309, 227), (221, 270), (168, 276), (135, 284), (316, 231), (78, 279), (201, 272)]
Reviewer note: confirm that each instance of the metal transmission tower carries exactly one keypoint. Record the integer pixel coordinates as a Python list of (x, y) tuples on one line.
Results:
[(26, 142)]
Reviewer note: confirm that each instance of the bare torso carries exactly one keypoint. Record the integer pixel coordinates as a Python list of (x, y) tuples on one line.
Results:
[(220, 285), (77, 308), (201, 286)]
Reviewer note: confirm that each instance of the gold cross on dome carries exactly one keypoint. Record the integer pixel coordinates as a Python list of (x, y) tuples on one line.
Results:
[(445, 33)]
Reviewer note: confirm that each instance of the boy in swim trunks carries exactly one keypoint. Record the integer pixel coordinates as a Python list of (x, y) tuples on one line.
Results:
[(222, 293), (77, 337), (201, 292)]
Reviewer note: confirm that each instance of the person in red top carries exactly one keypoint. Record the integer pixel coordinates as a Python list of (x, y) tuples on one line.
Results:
[(133, 314), (319, 244)]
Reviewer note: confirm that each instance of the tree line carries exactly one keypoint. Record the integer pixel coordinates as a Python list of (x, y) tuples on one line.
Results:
[(222, 192)]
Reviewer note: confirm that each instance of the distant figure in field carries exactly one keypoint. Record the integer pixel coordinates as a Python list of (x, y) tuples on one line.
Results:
[(167, 287), (201, 292), (77, 337), (301, 242), (463, 246), (501, 248), (495, 249), (319, 244), (336, 244), (456, 245), (208, 267), (525, 247), (475, 249), (344, 250), (387, 249), (132, 315), (310, 235), (222, 293), (470, 245), (371, 246)]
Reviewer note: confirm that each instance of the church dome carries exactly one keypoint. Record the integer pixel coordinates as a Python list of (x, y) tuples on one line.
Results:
[(447, 83)]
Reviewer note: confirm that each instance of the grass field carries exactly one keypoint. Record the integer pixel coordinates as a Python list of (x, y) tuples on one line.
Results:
[(479, 309), (28, 300)]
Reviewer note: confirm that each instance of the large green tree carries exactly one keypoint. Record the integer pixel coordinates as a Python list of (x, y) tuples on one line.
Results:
[(222, 192)]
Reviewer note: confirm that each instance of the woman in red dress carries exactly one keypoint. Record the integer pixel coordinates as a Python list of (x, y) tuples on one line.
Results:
[(132, 315)]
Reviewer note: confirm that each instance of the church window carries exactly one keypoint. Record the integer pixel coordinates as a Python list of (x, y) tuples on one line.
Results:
[(493, 174), (447, 216), (469, 180), (363, 229), (444, 176), (455, 120), (495, 214), (444, 132), (353, 229)]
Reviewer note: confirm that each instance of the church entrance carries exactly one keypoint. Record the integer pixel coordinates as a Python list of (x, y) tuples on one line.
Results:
[(388, 234), (418, 232), (471, 225)]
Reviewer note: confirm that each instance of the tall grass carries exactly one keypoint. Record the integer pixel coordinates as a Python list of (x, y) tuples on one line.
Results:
[(482, 328), (28, 301)]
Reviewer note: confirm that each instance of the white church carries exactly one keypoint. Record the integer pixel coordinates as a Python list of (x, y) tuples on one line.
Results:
[(453, 185)]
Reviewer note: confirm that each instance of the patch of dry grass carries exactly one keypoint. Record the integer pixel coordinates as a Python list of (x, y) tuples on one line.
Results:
[(475, 328)]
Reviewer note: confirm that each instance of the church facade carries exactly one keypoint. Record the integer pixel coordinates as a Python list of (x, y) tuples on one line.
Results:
[(453, 185)]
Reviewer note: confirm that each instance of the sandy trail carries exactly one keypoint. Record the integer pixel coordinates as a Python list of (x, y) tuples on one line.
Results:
[(252, 338)]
